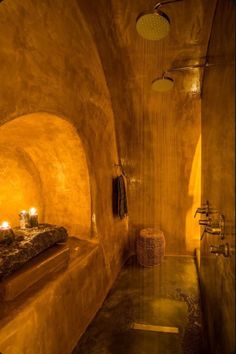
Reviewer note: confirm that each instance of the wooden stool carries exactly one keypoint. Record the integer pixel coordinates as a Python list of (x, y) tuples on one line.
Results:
[(150, 247)]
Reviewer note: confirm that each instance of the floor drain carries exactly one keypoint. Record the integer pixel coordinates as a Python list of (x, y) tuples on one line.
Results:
[(152, 328)]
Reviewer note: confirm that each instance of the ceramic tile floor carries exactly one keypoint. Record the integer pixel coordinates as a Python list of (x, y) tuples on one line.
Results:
[(165, 295)]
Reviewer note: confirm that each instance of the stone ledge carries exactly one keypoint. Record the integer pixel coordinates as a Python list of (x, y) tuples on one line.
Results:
[(28, 243), (51, 261)]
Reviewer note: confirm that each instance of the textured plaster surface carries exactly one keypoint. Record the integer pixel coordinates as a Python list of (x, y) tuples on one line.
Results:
[(50, 316), (49, 150), (84, 61), (157, 134), (218, 179), (50, 64)]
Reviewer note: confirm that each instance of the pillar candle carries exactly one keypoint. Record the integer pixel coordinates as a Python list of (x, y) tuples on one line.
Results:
[(33, 217)]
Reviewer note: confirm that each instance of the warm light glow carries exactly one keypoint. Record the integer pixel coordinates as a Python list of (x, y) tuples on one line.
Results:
[(33, 211), (38, 171), (5, 225), (23, 212), (195, 87), (192, 237)]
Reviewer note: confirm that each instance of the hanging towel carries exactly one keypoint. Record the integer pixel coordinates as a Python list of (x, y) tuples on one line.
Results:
[(119, 197), (122, 200)]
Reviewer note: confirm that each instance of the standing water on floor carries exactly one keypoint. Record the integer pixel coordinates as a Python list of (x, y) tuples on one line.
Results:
[(149, 311)]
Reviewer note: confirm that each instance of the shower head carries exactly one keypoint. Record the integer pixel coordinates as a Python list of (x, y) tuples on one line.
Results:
[(162, 84), (165, 83), (155, 24)]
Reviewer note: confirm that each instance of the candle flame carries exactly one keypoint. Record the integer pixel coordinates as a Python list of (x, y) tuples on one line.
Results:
[(5, 225), (33, 211)]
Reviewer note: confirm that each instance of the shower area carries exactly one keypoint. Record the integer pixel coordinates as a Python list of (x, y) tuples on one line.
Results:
[(138, 92)]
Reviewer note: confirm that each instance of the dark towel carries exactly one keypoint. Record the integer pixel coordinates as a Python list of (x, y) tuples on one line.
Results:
[(119, 197)]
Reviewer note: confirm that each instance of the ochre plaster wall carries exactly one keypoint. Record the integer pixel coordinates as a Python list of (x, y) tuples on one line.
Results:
[(218, 179), (20, 185), (157, 134), (50, 64), (84, 61), (50, 317), (49, 150)]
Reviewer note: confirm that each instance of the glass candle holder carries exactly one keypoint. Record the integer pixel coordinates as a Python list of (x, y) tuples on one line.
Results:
[(33, 217), (24, 219), (7, 235)]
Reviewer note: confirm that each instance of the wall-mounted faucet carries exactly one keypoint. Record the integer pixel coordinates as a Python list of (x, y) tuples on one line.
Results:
[(221, 249), (205, 209), (214, 227), (217, 227), (204, 222)]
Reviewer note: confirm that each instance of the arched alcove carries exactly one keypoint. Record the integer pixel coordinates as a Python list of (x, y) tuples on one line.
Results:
[(43, 164)]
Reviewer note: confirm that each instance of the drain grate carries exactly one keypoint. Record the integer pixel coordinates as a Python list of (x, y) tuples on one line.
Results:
[(152, 328)]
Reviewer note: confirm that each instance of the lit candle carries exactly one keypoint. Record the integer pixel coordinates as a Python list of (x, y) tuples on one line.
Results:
[(24, 219), (5, 225), (33, 217), (6, 234)]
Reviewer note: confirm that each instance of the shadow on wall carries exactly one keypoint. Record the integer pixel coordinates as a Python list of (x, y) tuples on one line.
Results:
[(43, 164)]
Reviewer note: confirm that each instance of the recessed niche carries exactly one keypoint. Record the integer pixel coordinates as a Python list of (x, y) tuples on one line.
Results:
[(43, 164)]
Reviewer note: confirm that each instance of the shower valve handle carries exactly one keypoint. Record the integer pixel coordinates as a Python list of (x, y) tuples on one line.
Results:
[(213, 230), (217, 227), (221, 249), (209, 226), (214, 227), (204, 222), (201, 210), (205, 209)]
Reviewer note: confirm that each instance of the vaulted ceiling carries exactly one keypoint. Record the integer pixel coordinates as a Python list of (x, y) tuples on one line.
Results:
[(157, 133), (85, 60), (131, 62)]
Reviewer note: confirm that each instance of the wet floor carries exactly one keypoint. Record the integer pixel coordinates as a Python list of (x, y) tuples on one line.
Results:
[(149, 311)]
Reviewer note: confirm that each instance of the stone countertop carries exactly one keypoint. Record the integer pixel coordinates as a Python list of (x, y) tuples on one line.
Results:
[(28, 243)]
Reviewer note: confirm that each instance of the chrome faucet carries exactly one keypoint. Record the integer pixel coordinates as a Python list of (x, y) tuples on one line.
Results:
[(213, 226), (213, 230), (221, 249), (205, 209), (204, 222), (216, 227)]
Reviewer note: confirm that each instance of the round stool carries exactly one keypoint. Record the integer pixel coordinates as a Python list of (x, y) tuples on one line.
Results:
[(150, 247)]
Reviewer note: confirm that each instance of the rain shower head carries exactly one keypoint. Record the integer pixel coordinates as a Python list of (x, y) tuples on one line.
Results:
[(165, 83), (155, 24), (162, 84)]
